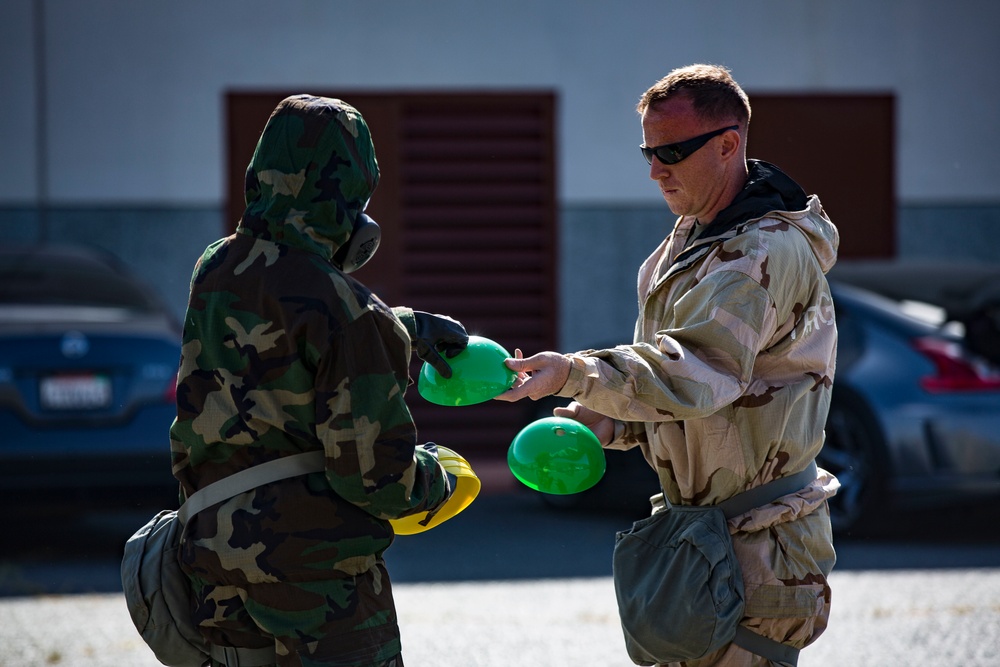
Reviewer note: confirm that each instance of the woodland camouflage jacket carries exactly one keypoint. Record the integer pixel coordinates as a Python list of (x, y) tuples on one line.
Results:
[(283, 353), (727, 384)]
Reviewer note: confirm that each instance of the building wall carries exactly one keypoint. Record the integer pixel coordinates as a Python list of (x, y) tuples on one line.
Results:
[(600, 248), (133, 89), (111, 127)]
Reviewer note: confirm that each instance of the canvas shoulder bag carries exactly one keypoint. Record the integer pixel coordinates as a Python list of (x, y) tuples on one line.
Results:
[(678, 583), (158, 593)]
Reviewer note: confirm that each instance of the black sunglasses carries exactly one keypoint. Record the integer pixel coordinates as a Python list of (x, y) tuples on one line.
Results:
[(674, 153)]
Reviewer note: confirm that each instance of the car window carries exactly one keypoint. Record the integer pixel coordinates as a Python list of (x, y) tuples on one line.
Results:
[(68, 283), (933, 315)]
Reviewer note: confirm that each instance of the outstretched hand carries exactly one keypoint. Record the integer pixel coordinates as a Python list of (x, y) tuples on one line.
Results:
[(538, 376), (602, 426), (438, 335)]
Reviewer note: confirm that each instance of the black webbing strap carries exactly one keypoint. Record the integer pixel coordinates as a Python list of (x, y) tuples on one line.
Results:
[(780, 654), (243, 657), (768, 493)]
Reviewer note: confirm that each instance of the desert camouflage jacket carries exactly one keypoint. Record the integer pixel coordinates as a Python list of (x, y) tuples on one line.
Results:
[(727, 384), (283, 353)]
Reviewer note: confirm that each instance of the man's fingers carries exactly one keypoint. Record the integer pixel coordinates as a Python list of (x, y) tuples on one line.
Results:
[(514, 394), (569, 411), (538, 376), (514, 364)]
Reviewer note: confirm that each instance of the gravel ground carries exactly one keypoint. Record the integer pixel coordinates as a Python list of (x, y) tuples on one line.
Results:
[(926, 617)]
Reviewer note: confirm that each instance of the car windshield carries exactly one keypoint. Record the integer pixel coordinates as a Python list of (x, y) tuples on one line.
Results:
[(28, 280)]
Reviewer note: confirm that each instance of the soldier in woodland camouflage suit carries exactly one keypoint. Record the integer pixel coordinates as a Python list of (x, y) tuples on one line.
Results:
[(285, 353), (727, 384)]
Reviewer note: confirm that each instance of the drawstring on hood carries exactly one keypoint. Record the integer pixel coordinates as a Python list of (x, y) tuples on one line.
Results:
[(311, 175)]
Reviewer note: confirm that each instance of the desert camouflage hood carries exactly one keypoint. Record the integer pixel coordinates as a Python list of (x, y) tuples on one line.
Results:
[(312, 173), (768, 192)]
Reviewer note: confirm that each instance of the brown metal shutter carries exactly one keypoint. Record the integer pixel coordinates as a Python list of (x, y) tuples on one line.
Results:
[(467, 202), (842, 148), (478, 204)]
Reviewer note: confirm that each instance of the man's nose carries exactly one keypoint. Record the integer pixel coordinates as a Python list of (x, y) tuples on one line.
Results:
[(658, 170)]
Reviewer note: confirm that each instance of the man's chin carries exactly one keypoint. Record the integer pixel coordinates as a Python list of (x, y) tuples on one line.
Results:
[(674, 207)]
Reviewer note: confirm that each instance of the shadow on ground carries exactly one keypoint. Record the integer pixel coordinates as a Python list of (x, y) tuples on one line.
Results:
[(511, 535)]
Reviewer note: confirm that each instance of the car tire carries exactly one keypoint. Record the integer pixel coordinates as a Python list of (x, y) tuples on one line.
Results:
[(855, 452)]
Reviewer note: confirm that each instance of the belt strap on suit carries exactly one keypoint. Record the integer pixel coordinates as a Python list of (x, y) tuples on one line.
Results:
[(779, 654), (231, 656)]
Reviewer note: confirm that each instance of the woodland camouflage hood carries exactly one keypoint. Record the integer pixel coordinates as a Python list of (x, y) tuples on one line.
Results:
[(312, 173), (284, 352)]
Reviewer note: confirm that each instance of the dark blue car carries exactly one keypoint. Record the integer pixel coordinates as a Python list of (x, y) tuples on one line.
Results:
[(88, 364)]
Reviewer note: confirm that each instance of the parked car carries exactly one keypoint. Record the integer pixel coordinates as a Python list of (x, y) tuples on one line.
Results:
[(914, 417), (967, 291), (88, 364)]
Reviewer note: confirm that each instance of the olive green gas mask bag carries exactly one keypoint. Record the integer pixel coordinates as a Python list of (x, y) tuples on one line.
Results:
[(679, 586)]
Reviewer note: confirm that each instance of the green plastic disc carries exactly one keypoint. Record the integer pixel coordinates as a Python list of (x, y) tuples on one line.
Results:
[(478, 375), (556, 455)]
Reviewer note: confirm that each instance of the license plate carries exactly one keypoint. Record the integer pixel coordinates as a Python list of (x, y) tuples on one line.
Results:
[(76, 392)]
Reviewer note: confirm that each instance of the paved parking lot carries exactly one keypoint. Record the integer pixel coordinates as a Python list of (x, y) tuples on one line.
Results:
[(512, 583)]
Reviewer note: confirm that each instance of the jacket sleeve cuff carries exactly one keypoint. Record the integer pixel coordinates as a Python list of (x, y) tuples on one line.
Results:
[(620, 429), (575, 380), (405, 316)]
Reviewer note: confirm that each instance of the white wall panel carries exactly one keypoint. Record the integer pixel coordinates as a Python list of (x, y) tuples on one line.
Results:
[(135, 86)]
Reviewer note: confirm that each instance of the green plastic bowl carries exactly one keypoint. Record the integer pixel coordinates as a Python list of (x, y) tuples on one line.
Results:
[(557, 455), (478, 375)]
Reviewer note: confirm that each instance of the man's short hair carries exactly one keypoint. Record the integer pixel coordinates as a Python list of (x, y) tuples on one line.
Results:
[(714, 93)]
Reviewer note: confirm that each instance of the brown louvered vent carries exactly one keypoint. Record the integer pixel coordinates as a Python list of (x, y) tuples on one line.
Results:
[(467, 202), (478, 206)]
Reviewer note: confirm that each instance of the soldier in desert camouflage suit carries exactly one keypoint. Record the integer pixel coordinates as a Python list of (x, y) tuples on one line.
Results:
[(284, 353), (727, 384)]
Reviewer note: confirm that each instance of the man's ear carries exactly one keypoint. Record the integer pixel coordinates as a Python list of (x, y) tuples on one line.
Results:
[(730, 144)]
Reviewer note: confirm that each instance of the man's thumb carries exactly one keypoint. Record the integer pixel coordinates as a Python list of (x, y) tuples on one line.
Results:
[(570, 411)]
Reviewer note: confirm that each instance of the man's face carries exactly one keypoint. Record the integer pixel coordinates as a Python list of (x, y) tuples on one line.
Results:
[(696, 185)]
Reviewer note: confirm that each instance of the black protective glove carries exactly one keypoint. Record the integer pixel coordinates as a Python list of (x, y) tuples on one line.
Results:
[(451, 480), (436, 334)]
